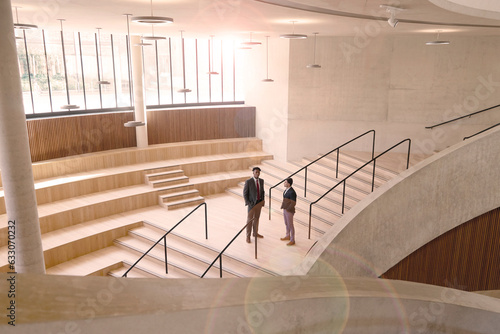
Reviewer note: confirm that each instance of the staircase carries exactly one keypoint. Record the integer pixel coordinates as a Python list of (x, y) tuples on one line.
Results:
[(173, 187), (99, 222)]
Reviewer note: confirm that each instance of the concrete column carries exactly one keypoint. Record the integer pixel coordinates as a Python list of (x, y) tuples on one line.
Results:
[(15, 159), (139, 92)]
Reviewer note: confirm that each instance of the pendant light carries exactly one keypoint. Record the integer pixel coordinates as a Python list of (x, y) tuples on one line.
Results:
[(437, 41), (133, 123), (211, 69), (142, 43), (152, 37), (68, 106), (99, 60), (151, 19), (293, 35), (250, 42), (267, 62), (183, 90), (314, 65), (23, 26)]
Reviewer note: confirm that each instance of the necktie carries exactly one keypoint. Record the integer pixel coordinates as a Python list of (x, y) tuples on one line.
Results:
[(258, 191)]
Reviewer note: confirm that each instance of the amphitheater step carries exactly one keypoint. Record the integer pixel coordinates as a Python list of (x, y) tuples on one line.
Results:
[(188, 255), (169, 182), (136, 272), (233, 265), (183, 203), (164, 175), (181, 195), (176, 261)]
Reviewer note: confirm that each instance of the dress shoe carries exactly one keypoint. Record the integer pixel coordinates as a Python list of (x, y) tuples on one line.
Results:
[(248, 240), (285, 238), (291, 243), (259, 236)]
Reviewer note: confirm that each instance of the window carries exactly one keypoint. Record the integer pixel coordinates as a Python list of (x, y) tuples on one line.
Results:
[(64, 68)]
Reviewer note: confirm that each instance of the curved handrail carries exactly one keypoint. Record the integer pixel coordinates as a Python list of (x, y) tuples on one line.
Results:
[(465, 116), (312, 162), (491, 127), (164, 238), (373, 178), (222, 251)]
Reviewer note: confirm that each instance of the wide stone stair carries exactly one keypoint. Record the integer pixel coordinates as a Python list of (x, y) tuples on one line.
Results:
[(100, 221)]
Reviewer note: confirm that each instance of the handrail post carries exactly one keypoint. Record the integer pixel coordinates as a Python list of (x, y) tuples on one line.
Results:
[(270, 200), (220, 266), (165, 249), (343, 197), (373, 177), (408, 158), (305, 183), (206, 222), (337, 168), (373, 145), (255, 246), (310, 214)]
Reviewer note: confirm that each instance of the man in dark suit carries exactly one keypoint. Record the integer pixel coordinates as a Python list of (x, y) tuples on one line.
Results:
[(288, 206), (253, 193)]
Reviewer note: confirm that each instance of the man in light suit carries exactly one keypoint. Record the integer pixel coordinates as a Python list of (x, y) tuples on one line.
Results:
[(288, 206), (253, 193)]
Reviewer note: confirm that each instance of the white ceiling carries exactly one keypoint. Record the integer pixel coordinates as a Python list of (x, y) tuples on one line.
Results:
[(202, 18)]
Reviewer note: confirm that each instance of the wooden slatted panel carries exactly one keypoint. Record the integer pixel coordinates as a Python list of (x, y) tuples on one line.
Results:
[(465, 258), (171, 126), (59, 137)]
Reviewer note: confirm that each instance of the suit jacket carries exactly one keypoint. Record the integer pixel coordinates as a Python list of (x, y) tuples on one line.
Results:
[(250, 192), (289, 200)]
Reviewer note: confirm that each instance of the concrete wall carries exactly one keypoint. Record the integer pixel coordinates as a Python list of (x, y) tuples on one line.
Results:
[(395, 85), (425, 201), (269, 98), (71, 304)]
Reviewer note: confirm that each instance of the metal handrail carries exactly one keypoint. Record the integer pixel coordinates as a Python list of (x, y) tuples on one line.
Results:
[(345, 179), (458, 118), (312, 162), (164, 238), (222, 251), (491, 127)]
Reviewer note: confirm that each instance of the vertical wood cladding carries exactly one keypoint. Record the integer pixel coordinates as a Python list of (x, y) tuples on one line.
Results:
[(465, 258), (59, 137), (171, 126)]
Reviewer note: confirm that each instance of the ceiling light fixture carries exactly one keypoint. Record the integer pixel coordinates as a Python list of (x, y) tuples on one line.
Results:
[(183, 90), (142, 44), (267, 62), (293, 35), (211, 69), (23, 26), (392, 21), (151, 19), (314, 65), (437, 41), (251, 42), (152, 37), (134, 123)]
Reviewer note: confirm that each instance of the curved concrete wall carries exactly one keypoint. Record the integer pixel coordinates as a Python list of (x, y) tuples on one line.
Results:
[(489, 9), (427, 200), (71, 304)]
